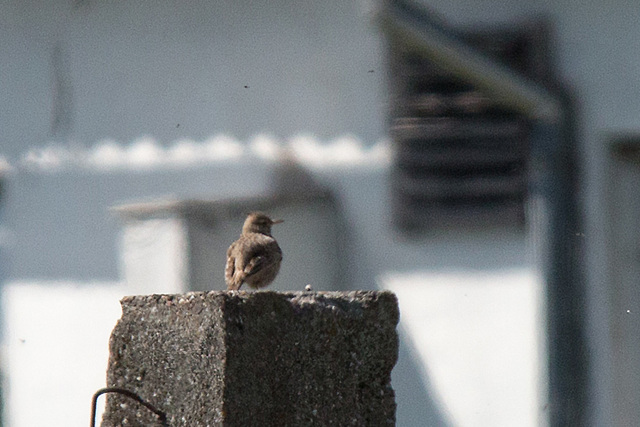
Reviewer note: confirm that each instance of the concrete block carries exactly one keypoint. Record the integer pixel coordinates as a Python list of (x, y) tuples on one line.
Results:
[(255, 358)]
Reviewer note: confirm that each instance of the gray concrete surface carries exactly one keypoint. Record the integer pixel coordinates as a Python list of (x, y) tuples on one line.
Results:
[(255, 358)]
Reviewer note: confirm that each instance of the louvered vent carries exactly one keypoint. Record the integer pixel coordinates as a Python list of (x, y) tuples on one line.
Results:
[(461, 160)]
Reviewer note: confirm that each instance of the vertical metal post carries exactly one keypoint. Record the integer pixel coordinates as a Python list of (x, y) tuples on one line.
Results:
[(555, 183)]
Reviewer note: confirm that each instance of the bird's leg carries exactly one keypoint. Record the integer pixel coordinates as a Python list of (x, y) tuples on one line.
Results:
[(234, 286)]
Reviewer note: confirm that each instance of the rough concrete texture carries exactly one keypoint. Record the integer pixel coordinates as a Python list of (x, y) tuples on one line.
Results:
[(255, 359)]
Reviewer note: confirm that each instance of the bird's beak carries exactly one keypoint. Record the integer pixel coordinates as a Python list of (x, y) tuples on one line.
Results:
[(277, 221)]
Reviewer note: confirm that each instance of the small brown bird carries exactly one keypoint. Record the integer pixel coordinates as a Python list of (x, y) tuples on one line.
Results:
[(255, 257)]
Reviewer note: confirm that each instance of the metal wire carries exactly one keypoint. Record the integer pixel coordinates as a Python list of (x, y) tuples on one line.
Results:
[(162, 417)]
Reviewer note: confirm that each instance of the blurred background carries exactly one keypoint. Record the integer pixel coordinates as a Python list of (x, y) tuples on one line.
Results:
[(479, 159)]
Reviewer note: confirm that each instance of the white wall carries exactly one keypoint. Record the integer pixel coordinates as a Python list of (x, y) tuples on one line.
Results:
[(60, 224), (173, 71), (176, 70), (479, 336), (598, 56), (55, 349), (432, 308)]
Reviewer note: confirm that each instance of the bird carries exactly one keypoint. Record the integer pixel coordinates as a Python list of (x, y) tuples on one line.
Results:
[(255, 257)]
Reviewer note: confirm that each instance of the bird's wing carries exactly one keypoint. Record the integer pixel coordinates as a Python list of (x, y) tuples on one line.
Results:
[(255, 264), (230, 269), (262, 253)]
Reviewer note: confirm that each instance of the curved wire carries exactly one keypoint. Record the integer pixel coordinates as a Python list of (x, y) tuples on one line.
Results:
[(94, 402)]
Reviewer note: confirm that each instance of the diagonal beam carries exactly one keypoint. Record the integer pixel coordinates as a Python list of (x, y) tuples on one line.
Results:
[(427, 36)]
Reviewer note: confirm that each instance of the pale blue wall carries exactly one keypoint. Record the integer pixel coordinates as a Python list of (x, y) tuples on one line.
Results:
[(136, 68)]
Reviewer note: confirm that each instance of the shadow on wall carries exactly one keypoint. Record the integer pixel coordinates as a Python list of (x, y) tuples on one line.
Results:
[(417, 405)]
